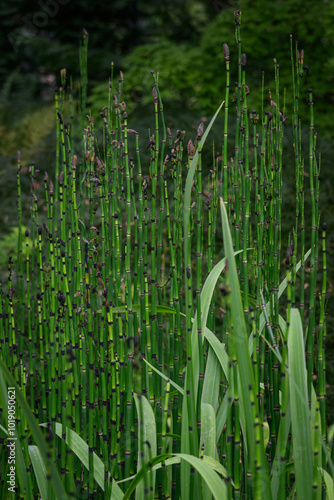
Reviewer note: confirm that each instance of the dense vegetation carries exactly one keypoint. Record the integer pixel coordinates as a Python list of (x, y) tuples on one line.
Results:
[(163, 318)]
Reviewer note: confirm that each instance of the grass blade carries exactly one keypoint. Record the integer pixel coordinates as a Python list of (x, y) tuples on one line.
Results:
[(207, 469), (246, 377), (329, 484), (240, 333), (189, 440), (214, 482), (219, 351), (208, 436), (174, 384), (147, 441), (300, 415), (39, 469), (80, 448)]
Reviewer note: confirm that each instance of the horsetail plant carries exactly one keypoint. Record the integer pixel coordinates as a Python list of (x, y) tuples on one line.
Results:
[(135, 374)]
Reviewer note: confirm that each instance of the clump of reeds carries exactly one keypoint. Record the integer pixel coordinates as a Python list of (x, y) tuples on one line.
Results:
[(154, 367)]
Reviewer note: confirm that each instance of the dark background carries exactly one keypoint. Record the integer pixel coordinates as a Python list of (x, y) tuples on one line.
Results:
[(181, 40)]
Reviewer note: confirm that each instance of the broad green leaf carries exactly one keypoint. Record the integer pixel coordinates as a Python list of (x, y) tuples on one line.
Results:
[(186, 208), (191, 382), (240, 337), (215, 484), (245, 372), (211, 384), (80, 448), (208, 438), (39, 470), (300, 415), (329, 484), (214, 464), (147, 442), (219, 350), (206, 297), (217, 466), (208, 430), (206, 468)]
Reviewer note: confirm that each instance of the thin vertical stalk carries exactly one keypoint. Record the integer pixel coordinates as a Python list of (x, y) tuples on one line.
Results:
[(238, 98), (199, 258), (313, 266), (226, 52), (246, 194), (129, 388), (321, 365)]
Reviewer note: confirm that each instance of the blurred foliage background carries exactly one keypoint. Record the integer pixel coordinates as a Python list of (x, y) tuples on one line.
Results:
[(181, 40)]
